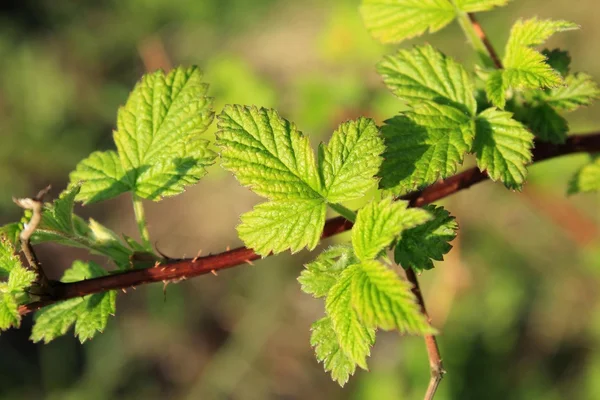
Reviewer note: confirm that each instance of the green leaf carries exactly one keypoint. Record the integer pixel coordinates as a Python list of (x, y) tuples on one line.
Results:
[(420, 245), (524, 67), (533, 32), (350, 160), (559, 60), (328, 351), (503, 147), (423, 145), (392, 21), (100, 176), (19, 279), (424, 73), (9, 312), (60, 225), (587, 179), (543, 121), (321, 274), (278, 225), (8, 259), (354, 338), (157, 137), (89, 314), (495, 88), (11, 232), (269, 155), (479, 5), (578, 90), (380, 222), (383, 300)]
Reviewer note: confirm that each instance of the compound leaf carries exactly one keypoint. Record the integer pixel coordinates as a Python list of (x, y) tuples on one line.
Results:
[(420, 245), (269, 155), (503, 147)]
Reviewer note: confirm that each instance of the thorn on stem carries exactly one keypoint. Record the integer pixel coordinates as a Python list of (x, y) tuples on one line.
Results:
[(197, 256), (212, 271)]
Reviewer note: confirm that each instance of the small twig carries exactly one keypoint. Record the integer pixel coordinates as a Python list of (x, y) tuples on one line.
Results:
[(486, 42), (433, 352), (36, 206)]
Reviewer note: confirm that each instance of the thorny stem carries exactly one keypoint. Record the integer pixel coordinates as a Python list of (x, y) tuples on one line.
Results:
[(176, 270), (36, 206), (140, 219), (433, 352)]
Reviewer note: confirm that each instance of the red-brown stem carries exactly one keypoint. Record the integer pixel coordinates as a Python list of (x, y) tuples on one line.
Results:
[(486, 42), (433, 352), (188, 268)]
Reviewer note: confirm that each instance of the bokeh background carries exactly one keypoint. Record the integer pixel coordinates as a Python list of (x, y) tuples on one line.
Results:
[(516, 300)]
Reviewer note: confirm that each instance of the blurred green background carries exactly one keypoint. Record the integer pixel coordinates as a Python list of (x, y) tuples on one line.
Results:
[(516, 299)]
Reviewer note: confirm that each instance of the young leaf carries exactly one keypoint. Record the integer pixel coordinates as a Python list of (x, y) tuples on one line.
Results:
[(350, 160), (268, 154), (543, 120), (578, 90), (559, 60), (9, 312), (524, 67), (392, 21), (328, 351), (383, 300), (424, 73), (495, 88), (157, 138), (8, 260), (378, 223), (503, 147), (19, 279), (423, 145), (587, 179), (278, 225), (321, 274), (478, 5), (89, 314), (60, 225), (354, 338), (420, 245), (100, 177)]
